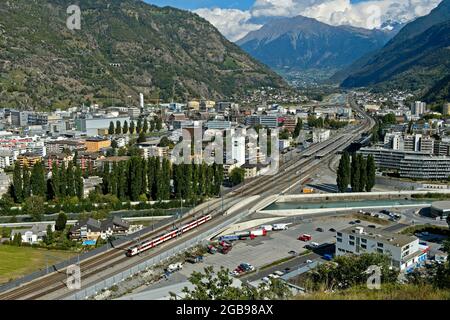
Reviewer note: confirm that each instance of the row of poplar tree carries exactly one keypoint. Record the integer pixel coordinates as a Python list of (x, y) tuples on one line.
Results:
[(141, 127), (64, 181), (140, 179), (357, 171)]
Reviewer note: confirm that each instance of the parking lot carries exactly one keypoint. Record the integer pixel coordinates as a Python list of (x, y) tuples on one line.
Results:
[(276, 246)]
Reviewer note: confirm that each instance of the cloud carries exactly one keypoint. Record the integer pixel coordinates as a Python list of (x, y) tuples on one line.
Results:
[(235, 24), (232, 23), (367, 14)]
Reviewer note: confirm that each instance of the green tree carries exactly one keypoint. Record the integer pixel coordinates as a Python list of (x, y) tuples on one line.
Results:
[(351, 270), (139, 126), (135, 178), (125, 127), (164, 142), (141, 137), (63, 180), (55, 181), (26, 182), (152, 125), (17, 239), (389, 119), (118, 127), (158, 124), (363, 173), (79, 182), (61, 222), (49, 237), (371, 169), (17, 183), (298, 128), (212, 285), (343, 173), (38, 181), (355, 174), (70, 178), (111, 129), (35, 207), (145, 127), (237, 176), (132, 127)]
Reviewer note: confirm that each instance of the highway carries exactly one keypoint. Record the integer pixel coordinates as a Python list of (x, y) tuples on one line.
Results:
[(294, 171)]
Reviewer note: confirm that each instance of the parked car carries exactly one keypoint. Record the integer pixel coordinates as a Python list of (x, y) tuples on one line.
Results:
[(279, 273), (351, 222), (266, 280), (308, 261), (332, 230), (292, 252), (357, 221), (371, 226), (319, 229)]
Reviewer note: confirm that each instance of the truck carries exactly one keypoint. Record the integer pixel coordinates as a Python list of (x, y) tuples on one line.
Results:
[(305, 237), (224, 249), (258, 232), (175, 267), (212, 249), (229, 238), (307, 190), (280, 226), (194, 260)]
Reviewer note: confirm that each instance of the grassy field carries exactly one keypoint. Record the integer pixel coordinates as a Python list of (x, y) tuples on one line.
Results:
[(19, 261)]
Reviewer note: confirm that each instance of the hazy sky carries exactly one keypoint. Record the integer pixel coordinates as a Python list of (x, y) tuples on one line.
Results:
[(236, 18)]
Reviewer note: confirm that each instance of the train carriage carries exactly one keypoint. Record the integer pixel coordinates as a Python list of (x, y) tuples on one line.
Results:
[(135, 250)]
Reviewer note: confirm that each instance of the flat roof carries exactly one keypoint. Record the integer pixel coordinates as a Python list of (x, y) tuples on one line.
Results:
[(395, 239), (441, 205)]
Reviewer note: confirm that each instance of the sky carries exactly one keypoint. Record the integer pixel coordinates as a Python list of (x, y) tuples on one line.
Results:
[(236, 18)]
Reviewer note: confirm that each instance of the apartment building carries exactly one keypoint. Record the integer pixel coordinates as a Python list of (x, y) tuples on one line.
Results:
[(404, 250), (59, 146), (97, 144)]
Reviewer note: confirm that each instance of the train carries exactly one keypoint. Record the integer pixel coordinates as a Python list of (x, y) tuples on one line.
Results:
[(144, 246)]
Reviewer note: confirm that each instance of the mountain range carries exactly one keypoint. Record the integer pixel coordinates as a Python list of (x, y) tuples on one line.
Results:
[(304, 43), (417, 58), (124, 47)]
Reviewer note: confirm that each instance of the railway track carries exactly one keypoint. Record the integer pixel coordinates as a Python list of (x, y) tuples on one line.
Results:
[(56, 281)]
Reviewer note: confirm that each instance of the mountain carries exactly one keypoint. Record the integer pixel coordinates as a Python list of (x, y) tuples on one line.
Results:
[(124, 47), (305, 43), (417, 58)]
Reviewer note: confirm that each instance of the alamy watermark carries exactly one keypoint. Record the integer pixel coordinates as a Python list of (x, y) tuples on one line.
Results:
[(73, 22), (73, 277)]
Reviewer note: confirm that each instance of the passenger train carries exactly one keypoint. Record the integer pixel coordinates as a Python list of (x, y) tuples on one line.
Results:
[(135, 250)]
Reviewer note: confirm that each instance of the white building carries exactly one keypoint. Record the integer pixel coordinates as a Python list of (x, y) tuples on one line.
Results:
[(5, 182), (6, 158), (321, 135), (34, 235), (238, 146), (418, 108), (404, 250)]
